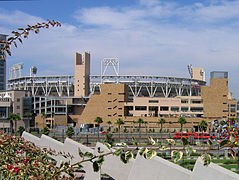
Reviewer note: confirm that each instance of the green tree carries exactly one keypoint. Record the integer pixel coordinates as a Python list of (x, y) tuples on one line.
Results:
[(139, 122), (98, 120), (203, 125), (21, 129), (184, 142), (182, 121), (70, 132), (146, 129), (109, 123), (14, 118), (109, 139), (21, 33), (161, 122), (119, 122), (45, 131)]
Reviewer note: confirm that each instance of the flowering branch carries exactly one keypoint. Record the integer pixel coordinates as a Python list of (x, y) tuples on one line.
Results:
[(24, 32)]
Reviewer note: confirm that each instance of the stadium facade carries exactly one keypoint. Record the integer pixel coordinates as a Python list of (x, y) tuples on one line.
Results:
[(79, 99)]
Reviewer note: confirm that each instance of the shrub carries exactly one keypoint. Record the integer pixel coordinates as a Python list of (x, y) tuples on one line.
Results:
[(21, 129), (109, 139), (70, 132), (45, 131), (20, 159)]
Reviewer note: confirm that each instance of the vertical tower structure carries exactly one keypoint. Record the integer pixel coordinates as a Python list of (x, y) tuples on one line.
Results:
[(217, 101), (2, 63), (82, 74), (198, 73)]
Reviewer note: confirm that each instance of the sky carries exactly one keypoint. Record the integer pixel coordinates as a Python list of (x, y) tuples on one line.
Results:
[(150, 37)]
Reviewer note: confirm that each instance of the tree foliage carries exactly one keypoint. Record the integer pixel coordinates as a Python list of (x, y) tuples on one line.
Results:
[(203, 125), (21, 129), (109, 139), (45, 131), (161, 122), (14, 117), (182, 121), (70, 132), (139, 121), (21, 33), (98, 120), (119, 122)]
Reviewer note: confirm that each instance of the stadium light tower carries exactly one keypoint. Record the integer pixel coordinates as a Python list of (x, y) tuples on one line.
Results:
[(109, 62)]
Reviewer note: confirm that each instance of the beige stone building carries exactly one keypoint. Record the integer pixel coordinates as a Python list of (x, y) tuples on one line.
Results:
[(112, 103), (16, 102), (79, 102)]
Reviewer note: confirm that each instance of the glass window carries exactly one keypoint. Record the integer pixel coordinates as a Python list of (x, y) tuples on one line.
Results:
[(184, 101), (196, 101), (153, 108), (196, 109), (184, 109), (140, 108), (233, 109), (175, 108), (164, 108), (130, 107), (153, 101)]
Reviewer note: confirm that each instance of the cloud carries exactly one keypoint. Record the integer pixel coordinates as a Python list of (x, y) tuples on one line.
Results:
[(150, 37), (106, 16), (149, 3), (17, 18), (222, 11)]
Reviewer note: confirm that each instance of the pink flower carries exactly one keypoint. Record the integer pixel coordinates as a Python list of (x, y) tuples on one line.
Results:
[(16, 169), (36, 165), (0, 142), (19, 152), (9, 167), (26, 160)]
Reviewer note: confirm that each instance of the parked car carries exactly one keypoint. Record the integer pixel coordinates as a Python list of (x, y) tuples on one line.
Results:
[(104, 132)]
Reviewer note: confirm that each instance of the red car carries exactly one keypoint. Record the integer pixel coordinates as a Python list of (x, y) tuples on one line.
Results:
[(195, 135), (104, 132)]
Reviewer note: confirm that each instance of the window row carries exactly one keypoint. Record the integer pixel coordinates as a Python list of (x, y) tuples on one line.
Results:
[(183, 101), (167, 108)]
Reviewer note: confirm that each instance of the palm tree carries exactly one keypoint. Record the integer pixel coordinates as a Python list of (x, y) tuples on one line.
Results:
[(139, 121), (161, 122), (109, 123), (184, 142), (203, 125), (98, 120), (146, 129), (119, 122), (70, 132), (182, 121), (15, 118)]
